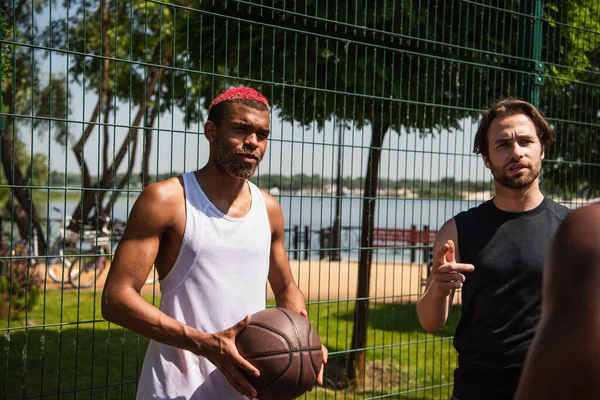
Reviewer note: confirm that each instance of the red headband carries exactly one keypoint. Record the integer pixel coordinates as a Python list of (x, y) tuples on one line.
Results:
[(240, 93)]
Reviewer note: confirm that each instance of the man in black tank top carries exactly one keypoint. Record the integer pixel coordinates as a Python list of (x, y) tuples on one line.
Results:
[(495, 253)]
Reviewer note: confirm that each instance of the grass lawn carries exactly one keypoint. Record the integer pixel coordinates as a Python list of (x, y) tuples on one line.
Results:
[(77, 355)]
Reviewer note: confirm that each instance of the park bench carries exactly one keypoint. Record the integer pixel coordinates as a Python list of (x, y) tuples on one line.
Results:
[(412, 238)]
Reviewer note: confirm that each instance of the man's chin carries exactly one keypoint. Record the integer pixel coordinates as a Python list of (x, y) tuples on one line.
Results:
[(241, 174), (521, 182)]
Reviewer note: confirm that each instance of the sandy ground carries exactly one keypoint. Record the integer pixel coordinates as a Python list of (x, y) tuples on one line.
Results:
[(324, 280)]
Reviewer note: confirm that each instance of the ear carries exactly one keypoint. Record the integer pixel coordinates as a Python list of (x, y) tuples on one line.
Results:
[(486, 161), (543, 153), (210, 131)]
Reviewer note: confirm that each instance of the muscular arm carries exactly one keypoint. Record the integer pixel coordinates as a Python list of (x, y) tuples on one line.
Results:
[(445, 277), (287, 294), (563, 361), (150, 217)]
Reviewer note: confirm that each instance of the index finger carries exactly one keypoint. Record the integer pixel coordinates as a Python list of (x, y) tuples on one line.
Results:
[(440, 255), (240, 326), (456, 267)]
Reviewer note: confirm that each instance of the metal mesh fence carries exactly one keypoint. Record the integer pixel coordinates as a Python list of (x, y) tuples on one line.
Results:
[(375, 106)]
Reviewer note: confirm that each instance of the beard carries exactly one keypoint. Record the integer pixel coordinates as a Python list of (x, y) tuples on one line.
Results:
[(520, 181), (231, 162)]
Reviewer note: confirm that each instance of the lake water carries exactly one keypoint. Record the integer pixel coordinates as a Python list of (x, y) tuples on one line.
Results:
[(312, 214)]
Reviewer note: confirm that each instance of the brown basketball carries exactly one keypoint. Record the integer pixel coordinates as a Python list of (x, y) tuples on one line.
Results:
[(285, 348)]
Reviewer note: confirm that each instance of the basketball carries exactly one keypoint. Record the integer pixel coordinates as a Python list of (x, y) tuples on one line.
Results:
[(285, 348)]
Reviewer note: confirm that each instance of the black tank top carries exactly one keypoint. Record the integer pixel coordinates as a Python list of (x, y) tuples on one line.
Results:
[(501, 298)]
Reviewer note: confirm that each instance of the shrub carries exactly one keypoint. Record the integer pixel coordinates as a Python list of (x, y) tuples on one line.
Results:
[(19, 288)]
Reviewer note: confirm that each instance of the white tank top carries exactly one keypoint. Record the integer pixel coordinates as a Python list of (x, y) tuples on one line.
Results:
[(218, 278)]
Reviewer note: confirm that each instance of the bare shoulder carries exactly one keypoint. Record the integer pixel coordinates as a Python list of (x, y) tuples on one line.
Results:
[(159, 201), (165, 192), (274, 213), (273, 206), (448, 231), (270, 200)]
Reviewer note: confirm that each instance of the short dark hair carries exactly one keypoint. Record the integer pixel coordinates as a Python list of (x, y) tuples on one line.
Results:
[(219, 111), (508, 107)]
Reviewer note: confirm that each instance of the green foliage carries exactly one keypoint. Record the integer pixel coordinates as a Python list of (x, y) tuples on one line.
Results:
[(33, 93), (570, 97), (19, 290), (6, 32), (35, 170)]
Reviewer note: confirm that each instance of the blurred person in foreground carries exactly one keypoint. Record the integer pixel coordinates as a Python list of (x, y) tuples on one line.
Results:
[(564, 359)]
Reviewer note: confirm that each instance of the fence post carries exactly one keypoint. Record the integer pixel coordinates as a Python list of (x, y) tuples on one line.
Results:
[(1, 117), (324, 242), (536, 53), (412, 243), (306, 242), (296, 241), (425, 240), (1, 242)]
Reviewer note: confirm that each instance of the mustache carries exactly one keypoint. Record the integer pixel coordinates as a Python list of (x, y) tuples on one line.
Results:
[(517, 164), (248, 152)]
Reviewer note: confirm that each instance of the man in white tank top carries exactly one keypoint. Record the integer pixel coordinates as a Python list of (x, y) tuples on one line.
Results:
[(214, 239)]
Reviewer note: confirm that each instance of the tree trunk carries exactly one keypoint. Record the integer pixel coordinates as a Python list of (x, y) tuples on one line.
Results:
[(20, 217), (17, 183), (359, 332), (87, 180), (27, 217), (78, 147), (105, 150), (148, 148), (105, 79), (89, 198), (106, 143), (103, 101), (123, 181)]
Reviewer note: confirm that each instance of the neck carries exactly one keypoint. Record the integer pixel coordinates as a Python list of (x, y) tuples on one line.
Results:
[(518, 200), (218, 185)]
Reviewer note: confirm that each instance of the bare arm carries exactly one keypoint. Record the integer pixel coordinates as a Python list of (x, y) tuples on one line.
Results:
[(134, 257), (152, 215), (563, 361), (446, 276), (287, 294)]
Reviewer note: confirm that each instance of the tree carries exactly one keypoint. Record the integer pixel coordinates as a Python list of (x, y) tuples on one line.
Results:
[(570, 95), (25, 92), (121, 59)]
